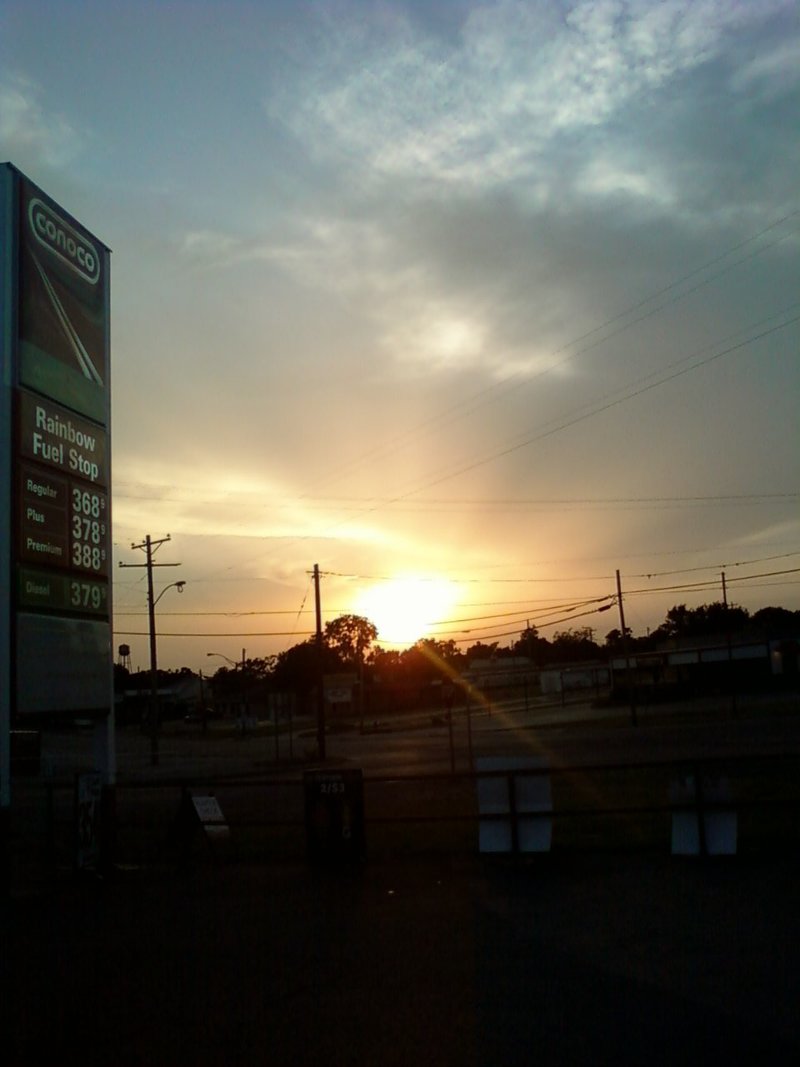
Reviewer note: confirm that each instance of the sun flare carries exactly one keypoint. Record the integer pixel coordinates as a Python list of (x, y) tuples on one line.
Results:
[(404, 609)]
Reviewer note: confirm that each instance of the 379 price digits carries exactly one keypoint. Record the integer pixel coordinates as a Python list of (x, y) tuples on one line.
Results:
[(87, 595)]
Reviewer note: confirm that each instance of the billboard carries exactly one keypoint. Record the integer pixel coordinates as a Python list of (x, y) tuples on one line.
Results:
[(63, 300), (57, 477)]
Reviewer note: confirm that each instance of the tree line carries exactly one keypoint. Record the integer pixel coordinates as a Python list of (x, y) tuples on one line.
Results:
[(349, 646)]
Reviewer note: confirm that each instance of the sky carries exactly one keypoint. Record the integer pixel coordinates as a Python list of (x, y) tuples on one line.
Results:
[(472, 305)]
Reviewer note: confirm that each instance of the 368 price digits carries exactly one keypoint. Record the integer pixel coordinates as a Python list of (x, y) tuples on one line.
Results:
[(87, 503)]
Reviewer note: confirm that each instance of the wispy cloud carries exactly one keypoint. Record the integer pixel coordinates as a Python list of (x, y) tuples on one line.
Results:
[(772, 73), (487, 107), (29, 131)]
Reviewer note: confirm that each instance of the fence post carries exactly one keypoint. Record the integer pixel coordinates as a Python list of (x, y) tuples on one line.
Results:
[(469, 734), (512, 813), (450, 734), (701, 815)]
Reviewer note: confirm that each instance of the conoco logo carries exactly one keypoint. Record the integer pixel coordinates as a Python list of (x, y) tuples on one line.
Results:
[(64, 241)]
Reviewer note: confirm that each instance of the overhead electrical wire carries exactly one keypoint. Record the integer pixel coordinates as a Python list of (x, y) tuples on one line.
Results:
[(597, 410), (688, 587), (710, 583), (503, 452), (628, 394), (483, 396), (632, 393)]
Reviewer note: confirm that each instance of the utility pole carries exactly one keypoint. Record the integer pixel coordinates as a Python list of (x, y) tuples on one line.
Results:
[(244, 694), (150, 547), (320, 690), (631, 691), (729, 643)]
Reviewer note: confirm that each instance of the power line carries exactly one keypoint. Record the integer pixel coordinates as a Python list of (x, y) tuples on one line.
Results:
[(708, 584), (741, 563), (480, 462), (685, 588), (502, 453), (226, 633), (527, 610), (583, 415), (482, 397), (525, 613)]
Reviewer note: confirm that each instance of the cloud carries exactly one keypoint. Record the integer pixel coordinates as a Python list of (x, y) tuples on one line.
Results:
[(772, 73), (29, 132), (495, 185), (488, 106)]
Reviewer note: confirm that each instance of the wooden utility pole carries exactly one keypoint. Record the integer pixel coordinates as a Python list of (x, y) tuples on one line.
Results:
[(729, 643), (150, 547), (628, 675), (320, 688)]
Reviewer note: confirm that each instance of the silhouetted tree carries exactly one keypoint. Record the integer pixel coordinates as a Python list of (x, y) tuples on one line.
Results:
[(574, 645), (530, 644), (708, 620), (777, 622), (351, 636)]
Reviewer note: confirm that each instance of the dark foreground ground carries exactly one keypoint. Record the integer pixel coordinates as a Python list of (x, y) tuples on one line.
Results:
[(572, 959)]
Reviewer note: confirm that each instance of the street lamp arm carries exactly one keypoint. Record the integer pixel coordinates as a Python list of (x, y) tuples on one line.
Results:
[(173, 585), (227, 659)]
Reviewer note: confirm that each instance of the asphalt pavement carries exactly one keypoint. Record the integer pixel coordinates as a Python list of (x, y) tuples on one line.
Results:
[(427, 957), (627, 959)]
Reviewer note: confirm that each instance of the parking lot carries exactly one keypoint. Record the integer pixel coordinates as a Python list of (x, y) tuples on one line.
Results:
[(594, 959), (426, 952)]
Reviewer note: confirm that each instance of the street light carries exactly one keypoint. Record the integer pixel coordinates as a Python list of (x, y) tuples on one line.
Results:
[(236, 666), (151, 604)]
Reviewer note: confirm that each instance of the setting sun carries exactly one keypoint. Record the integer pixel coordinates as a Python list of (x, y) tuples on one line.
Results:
[(404, 608)]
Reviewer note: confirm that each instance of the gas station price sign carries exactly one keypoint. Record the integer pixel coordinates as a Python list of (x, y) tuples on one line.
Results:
[(55, 469), (70, 530), (50, 591), (63, 512)]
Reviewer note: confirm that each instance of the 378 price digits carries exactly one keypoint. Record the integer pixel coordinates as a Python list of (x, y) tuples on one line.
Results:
[(87, 529)]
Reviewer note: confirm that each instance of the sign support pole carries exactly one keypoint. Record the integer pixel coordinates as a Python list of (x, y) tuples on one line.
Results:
[(7, 251)]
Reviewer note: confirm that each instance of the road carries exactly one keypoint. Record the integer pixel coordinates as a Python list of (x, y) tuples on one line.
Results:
[(576, 733)]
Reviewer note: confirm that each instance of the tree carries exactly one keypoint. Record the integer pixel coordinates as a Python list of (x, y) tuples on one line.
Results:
[(776, 622), (708, 620), (121, 677), (480, 650), (428, 660), (351, 636), (297, 668), (530, 644), (614, 639), (575, 645)]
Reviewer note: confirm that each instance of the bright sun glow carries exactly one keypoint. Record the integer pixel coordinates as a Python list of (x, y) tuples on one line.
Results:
[(404, 609)]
